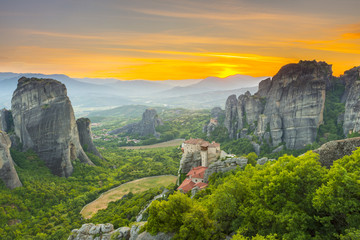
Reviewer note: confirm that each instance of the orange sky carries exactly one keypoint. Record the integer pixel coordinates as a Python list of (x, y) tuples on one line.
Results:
[(166, 39)]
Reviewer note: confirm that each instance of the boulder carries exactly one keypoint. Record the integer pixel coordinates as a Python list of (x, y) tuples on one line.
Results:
[(122, 233), (85, 136), (8, 173), (334, 150), (262, 161), (44, 121), (135, 229), (159, 236), (224, 166)]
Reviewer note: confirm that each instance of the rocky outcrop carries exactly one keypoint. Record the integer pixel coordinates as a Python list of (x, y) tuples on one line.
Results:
[(189, 161), (145, 127), (85, 136), (44, 121), (351, 118), (289, 108), (224, 166), (262, 161), (7, 171), (107, 232), (231, 116), (6, 122), (334, 150), (216, 114)]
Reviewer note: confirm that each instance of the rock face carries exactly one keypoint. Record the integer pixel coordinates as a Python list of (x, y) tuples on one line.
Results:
[(334, 150), (85, 136), (289, 108), (351, 78), (6, 123), (7, 171), (145, 127), (231, 116), (216, 114), (189, 161), (44, 121), (224, 166), (107, 232)]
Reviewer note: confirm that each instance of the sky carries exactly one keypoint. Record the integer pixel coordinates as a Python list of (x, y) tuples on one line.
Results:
[(168, 39)]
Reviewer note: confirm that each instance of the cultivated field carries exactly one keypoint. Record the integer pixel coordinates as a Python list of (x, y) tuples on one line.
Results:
[(117, 193), (171, 143)]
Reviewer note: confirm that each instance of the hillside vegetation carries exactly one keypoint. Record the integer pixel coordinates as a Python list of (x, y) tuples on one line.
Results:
[(291, 198), (48, 207)]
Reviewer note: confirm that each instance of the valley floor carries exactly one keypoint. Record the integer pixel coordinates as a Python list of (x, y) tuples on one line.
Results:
[(136, 186), (171, 143)]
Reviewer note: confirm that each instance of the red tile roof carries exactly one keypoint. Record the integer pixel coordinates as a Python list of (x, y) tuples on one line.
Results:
[(197, 172), (186, 185), (201, 185), (194, 141), (201, 142), (204, 144)]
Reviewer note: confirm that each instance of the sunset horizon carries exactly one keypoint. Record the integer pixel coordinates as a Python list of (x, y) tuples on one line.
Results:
[(165, 40)]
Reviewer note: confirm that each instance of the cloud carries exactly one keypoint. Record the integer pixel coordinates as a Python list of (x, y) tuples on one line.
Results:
[(63, 35), (212, 15)]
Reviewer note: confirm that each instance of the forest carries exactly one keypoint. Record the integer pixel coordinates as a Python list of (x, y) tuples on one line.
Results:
[(48, 207), (291, 198)]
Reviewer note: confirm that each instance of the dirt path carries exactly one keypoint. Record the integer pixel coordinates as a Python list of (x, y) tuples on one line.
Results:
[(171, 143), (117, 193)]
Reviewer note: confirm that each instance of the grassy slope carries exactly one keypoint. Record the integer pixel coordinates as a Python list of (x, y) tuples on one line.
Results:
[(136, 186)]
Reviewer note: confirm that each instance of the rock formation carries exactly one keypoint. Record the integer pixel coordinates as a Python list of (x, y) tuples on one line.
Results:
[(44, 121), (334, 150), (224, 166), (216, 115), (189, 161), (145, 127), (351, 78), (7, 171), (231, 116), (107, 232), (6, 123), (289, 108), (85, 136)]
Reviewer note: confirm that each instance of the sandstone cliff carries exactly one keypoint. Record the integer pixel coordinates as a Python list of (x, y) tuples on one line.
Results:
[(351, 78), (44, 121), (145, 127), (6, 123), (289, 108), (85, 136), (7, 171)]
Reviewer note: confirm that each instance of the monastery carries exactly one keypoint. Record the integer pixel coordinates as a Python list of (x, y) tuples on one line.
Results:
[(209, 153)]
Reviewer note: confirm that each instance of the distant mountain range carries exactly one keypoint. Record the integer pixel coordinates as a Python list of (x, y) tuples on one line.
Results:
[(87, 94)]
